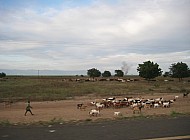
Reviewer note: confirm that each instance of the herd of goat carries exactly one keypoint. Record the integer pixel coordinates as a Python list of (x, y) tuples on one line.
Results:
[(136, 104)]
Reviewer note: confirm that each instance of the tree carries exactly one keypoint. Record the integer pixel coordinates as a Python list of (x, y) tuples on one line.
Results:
[(93, 73), (2, 75), (119, 73), (149, 70), (167, 74), (106, 74), (179, 70)]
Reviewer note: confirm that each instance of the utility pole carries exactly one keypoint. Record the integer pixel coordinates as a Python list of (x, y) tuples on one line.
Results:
[(38, 73)]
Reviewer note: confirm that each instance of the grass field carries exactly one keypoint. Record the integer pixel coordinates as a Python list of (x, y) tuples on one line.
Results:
[(64, 87)]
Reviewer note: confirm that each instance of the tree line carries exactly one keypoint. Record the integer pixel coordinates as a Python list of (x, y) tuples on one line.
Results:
[(148, 70)]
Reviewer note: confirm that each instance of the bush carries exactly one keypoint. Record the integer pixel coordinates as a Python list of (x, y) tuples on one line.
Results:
[(2, 75)]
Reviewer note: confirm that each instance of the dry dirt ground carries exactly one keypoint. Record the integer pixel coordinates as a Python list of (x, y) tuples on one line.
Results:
[(66, 110)]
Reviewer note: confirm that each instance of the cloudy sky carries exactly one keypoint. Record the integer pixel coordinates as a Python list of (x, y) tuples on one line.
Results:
[(102, 34)]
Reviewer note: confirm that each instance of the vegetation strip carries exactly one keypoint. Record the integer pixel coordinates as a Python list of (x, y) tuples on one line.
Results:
[(171, 138)]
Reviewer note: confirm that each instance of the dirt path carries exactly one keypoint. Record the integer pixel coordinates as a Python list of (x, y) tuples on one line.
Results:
[(66, 110)]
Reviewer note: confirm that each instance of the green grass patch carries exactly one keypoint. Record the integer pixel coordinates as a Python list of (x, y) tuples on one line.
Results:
[(174, 113), (88, 120), (5, 123)]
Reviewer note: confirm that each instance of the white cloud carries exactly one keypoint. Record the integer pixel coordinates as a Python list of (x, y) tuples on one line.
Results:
[(100, 34)]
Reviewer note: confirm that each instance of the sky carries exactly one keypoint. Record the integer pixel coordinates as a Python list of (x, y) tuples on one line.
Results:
[(108, 35)]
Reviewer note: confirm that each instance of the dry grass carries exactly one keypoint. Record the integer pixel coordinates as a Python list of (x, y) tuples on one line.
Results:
[(58, 88)]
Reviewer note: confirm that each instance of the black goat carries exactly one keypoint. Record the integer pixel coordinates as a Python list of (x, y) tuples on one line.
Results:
[(79, 106), (185, 94)]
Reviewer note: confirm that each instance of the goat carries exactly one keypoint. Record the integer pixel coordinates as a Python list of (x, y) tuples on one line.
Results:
[(185, 94), (117, 113), (156, 105), (166, 104), (92, 103), (106, 104), (137, 109), (134, 105), (111, 99), (176, 97), (99, 106), (159, 99), (94, 112), (124, 104), (116, 105), (130, 100), (79, 106), (147, 105), (143, 104), (151, 101), (172, 101)]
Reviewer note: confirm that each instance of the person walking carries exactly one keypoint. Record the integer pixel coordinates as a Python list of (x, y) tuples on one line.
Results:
[(28, 108)]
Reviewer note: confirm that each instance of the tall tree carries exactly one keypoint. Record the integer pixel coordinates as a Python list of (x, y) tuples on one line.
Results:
[(93, 73), (119, 73), (106, 74), (149, 70), (179, 70)]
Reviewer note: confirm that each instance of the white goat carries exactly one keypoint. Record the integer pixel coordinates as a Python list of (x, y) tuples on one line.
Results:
[(176, 97), (156, 105), (166, 104), (93, 103), (99, 106), (117, 113), (159, 99), (94, 112)]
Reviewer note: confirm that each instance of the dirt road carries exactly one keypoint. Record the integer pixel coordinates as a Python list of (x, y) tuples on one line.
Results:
[(66, 110)]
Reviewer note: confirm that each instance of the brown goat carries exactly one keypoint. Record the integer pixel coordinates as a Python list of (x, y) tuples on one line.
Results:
[(137, 109)]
